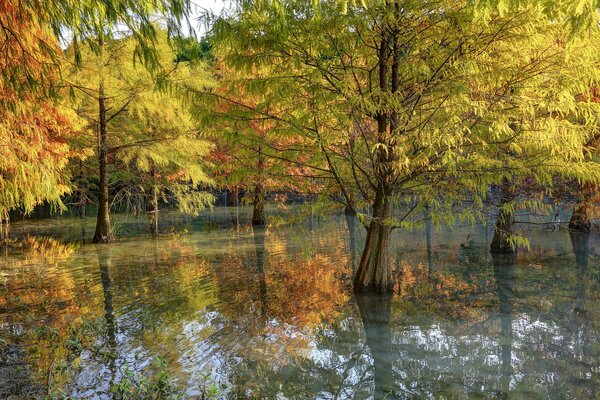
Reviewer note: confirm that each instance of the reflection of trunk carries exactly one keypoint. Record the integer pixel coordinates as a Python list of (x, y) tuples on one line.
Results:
[(580, 219), (259, 243), (258, 211), (351, 222), (501, 243), (374, 272), (428, 240), (109, 317), (579, 242), (375, 312), (504, 272), (103, 232), (232, 203), (152, 209)]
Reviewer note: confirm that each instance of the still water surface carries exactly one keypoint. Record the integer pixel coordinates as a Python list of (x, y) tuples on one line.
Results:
[(270, 313)]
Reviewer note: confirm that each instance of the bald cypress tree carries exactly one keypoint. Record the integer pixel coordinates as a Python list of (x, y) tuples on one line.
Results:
[(412, 105)]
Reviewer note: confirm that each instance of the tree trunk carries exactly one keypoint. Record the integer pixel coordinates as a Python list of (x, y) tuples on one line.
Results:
[(103, 232), (375, 313), (258, 211), (580, 219), (374, 272), (152, 210), (501, 243), (232, 203)]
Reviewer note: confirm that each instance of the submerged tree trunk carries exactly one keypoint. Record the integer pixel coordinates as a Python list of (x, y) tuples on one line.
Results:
[(103, 232), (504, 230), (258, 211), (374, 273), (375, 313), (152, 210), (233, 203)]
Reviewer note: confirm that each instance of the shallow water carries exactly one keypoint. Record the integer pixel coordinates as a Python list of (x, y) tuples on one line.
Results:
[(270, 313)]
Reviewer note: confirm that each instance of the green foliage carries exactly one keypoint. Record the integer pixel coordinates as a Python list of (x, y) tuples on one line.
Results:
[(152, 140), (480, 95)]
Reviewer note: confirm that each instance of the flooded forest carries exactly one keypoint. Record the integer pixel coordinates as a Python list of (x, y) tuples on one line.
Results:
[(298, 199)]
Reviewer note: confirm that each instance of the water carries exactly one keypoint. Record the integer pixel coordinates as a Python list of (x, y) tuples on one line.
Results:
[(270, 313)]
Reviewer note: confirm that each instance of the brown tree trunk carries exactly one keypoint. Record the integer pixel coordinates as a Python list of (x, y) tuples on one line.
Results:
[(232, 203), (103, 232), (580, 219), (374, 273), (501, 243), (258, 211), (152, 210)]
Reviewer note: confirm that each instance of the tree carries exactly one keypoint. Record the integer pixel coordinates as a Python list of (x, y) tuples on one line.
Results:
[(255, 154), (34, 129), (147, 144), (415, 105)]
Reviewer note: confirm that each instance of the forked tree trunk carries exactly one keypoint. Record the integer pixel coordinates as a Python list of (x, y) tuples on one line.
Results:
[(152, 210), (103, 232), (374, 273), (504, 230), (580, 219)]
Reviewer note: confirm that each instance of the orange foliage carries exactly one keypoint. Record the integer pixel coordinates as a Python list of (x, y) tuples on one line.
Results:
[(33, 130)]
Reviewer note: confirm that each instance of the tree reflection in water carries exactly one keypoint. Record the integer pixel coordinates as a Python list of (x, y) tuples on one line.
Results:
[(270, 313), (504, 272), (375, 313)]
